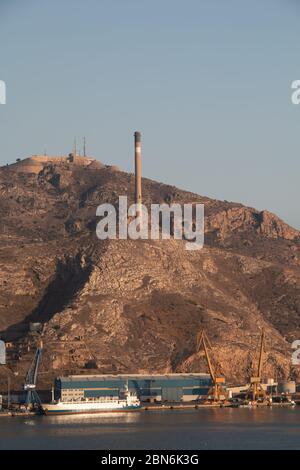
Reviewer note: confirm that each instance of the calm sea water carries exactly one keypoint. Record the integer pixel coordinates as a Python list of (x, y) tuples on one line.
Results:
[(275, 428)]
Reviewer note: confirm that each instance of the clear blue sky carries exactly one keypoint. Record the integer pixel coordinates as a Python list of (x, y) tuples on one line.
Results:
[(207, 82)]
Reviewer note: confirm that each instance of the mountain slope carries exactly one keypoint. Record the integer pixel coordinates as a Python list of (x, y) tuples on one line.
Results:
[(137, 306)]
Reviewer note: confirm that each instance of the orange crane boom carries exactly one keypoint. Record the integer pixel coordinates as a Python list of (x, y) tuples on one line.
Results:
[(217, 381), (256, 390)]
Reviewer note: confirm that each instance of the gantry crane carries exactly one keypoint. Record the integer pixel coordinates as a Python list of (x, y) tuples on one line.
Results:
[(217, 389), (256, 391), (32, 397)]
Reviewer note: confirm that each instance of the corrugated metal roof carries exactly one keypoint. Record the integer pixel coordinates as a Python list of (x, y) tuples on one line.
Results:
[(103, 377)]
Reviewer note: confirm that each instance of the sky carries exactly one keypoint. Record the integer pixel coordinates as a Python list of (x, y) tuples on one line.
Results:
[(207, 82)]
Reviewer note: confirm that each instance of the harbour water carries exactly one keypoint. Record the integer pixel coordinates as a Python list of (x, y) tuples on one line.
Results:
[(261, 428)]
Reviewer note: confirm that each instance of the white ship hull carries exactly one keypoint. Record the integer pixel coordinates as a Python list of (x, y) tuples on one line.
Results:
[(87, 407)]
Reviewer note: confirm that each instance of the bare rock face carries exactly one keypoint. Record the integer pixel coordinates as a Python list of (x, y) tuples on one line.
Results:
[(241, 219), (137, 306), (273, 227)]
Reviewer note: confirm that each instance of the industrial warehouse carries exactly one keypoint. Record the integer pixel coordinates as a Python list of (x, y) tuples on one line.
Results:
[(148, 388)]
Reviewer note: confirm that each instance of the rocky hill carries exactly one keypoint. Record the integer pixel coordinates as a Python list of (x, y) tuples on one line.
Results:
[(137, 306)]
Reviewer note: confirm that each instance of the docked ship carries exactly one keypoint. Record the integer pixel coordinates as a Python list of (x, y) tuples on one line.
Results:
[(93, 405)]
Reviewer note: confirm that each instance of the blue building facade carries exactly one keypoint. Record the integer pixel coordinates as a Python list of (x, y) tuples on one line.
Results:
[(159, 388)]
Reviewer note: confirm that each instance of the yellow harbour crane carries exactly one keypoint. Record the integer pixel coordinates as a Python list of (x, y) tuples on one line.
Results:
[(256, 391), (217, 390)]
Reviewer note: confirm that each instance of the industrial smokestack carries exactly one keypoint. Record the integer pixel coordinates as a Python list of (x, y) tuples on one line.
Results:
[(84, 150), (138, 170)]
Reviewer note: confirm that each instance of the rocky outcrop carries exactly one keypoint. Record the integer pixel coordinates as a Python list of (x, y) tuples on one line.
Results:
[(244, 219)]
